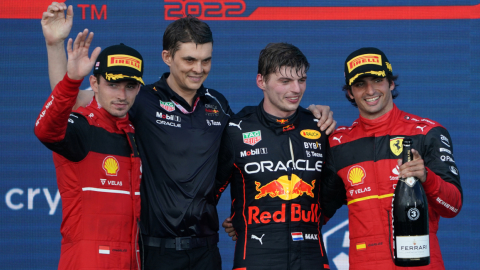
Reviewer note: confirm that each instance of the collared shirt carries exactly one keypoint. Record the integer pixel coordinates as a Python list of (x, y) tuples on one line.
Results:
[(179, 149)]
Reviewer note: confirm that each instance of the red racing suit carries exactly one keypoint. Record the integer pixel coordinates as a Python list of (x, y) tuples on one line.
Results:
[(98, 175), (274, 167), (363, 158)]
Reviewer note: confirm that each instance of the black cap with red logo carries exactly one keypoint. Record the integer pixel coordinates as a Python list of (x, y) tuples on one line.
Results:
[(366, 62), (118, 63)]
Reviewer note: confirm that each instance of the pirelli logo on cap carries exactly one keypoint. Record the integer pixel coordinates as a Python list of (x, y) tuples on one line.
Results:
[(364, 59), (125, 61)]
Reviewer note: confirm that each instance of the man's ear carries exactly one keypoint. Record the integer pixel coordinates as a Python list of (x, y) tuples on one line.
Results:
[(392, 85), (261, 81), (167, 57), (94, 83), (349, 91)]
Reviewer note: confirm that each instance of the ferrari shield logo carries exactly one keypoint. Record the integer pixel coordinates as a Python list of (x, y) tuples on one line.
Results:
[(252, 138), (396, 145)]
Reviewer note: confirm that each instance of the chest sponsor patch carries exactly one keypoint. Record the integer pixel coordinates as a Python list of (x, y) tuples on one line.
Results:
[(396, 145), (285, 189), (252, 138), (356, 175), (111, 166), (254, 152), (310, 134), (169, 117), (211, 110), (167, 106)]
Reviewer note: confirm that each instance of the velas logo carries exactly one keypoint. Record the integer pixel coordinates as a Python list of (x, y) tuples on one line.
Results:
[(125, 61), (356, 175), (396, 145), (167, 106), (310, 134), (285, 189), (110, 166), (364, 59), (252, 138)]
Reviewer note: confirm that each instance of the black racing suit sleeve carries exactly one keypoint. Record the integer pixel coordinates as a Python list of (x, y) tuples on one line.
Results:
[(226, 163), (442, 187), (59, 129), (77, 140), (332, 190)]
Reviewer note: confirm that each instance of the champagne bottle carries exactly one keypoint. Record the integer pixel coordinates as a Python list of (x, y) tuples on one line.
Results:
[(410, 218)]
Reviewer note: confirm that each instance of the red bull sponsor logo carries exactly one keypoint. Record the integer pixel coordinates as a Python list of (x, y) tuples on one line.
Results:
[(297, 214), (252, 138), (285, 189), (288, 128)]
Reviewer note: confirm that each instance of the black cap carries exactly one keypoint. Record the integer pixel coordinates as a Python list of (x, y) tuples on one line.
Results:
[(366, 62), (118, 63)]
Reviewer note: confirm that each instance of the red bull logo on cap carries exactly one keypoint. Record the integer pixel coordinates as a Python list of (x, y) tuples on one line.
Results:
[(285, 189)]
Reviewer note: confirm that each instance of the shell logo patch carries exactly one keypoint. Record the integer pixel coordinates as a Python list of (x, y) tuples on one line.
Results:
[(124, 61), (111, 166), (356, 175), (310, 134), (396, 145)]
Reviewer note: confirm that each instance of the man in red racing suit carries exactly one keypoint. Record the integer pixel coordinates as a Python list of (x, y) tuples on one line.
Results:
[(364, 161), (97, 164), (272, 154)]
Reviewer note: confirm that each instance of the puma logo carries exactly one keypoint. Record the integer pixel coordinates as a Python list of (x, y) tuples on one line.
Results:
[(337, 139), (258, 238), (421, 127), (236, 125)]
